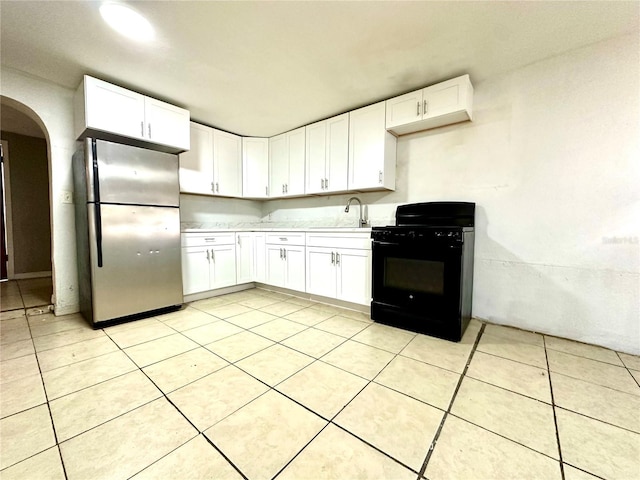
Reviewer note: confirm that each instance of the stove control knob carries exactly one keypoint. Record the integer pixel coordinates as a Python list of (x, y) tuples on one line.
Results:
[(411, 234)]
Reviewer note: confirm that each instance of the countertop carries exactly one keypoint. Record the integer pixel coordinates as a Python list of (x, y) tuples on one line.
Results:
[(281, 229)]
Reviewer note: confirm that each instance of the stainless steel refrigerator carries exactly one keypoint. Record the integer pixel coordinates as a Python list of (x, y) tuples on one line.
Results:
[(128, 230)]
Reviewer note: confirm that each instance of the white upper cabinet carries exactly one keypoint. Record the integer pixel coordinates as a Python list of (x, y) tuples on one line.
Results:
[(255, 167), (286, 163), (327, 156), (104, 110), (213, 166), (441, 104), (372, 150)]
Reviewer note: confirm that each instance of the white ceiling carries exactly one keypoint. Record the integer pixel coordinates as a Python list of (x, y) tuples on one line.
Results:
[(261, 68)]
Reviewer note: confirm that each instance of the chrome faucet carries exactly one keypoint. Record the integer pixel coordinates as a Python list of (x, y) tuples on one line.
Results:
[(362, 222)]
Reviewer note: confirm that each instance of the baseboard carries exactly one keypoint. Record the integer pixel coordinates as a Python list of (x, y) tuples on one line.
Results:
[(66, 310), (317, 298), (219, 291), (25, 276)]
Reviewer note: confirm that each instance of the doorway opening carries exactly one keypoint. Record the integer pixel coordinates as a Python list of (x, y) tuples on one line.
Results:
[(25, 245)]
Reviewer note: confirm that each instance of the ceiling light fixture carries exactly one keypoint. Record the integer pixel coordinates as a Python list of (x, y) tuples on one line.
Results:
[(127, 21)]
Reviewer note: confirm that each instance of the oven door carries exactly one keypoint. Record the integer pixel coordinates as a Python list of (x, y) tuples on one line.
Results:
[(416, 284)]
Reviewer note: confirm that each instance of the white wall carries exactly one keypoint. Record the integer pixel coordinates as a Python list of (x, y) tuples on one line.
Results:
[(53, 105), (552, 160)]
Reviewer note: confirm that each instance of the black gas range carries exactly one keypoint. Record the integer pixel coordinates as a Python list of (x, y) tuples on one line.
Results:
[(423, 269)]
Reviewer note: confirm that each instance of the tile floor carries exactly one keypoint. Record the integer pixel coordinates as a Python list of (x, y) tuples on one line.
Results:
[(261, 385), (28, 293)]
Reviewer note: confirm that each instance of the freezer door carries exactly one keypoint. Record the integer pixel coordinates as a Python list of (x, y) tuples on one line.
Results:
[(141, 268), (131, 175)]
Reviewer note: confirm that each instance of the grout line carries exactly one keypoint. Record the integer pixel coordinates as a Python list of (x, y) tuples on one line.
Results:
[(553, 407), (423, 469), (628, 369), (300, 451)]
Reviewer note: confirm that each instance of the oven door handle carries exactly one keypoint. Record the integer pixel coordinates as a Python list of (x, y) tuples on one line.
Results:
[(385, 244)]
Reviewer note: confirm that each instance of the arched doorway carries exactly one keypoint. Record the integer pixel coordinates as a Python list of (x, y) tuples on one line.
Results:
[(26, 215)]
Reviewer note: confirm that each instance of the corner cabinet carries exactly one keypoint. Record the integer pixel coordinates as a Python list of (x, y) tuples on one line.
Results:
[(372, 150), (339, 266), (208, 261), (441, 104), (286, 164), (255, 167), (327, 156), (107, 111)]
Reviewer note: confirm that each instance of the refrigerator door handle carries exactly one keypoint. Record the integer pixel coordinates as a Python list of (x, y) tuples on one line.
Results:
[(96, 204)]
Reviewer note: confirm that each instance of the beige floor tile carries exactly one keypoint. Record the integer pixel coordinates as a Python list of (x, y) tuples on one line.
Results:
[(516, 417), (357, 358), (571, 473), (16, 349), (17, 368), (242, 295), (592, 371), (515, 334), (429, 384), (314, 342), (12, 302), (139, 335), (322, 388), (238, 346), (156, 350), (212, 332), (57, 325), (277, 295), (11, 314), (127, 444), (263, 436), (35, 300), (602, 403), (46, 318), (323, 307), (632, 362), (258, 301), (226, 311), (212, 302), (126, 326), (274, 364), (308, 316), (443, 353), (77, 376), (21, 394), (319, 460), (14, 330), (178, 371), (43, 466), (69, 337), (302, 302), (598, 448), (187, 319), (76, 352), (355, 315), (343, 326), (378, 414), (387, 338), (513, 350), (636, 375), (515, 376), (80, 411), (25, 434), (280, 309), (251, 319), (210, 399), (466, 451), (279, 329), (194, 460), (582, 350)]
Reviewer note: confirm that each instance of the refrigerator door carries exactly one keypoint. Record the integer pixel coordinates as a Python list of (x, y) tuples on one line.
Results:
[(141, 264), (131, 175)]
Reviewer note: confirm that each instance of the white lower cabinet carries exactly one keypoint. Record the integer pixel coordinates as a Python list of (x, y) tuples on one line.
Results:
[(338, 272), (250, 259), (208, 262), (285, 260)]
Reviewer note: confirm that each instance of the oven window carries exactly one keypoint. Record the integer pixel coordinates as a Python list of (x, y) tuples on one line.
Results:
[(414, 275)]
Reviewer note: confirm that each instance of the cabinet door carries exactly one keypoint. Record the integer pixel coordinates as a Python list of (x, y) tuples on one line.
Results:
[(196, 165), (367, 147), (295, 268), (223, 264), (321, 271), (113, 109), (195, 270), (259, 256), (444, 98), (166, 123), (255, 167), (227, 164), (337, 153), (244, 257), (404, 109), (354, 276), (316, 141), (275, 266), (278, 165), (296, 146)]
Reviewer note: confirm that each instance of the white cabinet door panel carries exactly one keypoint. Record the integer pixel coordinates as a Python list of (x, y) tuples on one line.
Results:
[(245, 264), (227, 160), (366, 146), (354, 276), (295, 268), (255, 167), (278, 165), (196, 165), (404, 109), (321, 271), (223, 261), (316, 157), (195, 270), (337, 153), (259, 254), (276, 271), (166, 123), (296, 141)]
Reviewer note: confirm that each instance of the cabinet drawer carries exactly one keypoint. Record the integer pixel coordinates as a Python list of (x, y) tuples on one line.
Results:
[(361, 241), (208, 239), (285, 238)]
